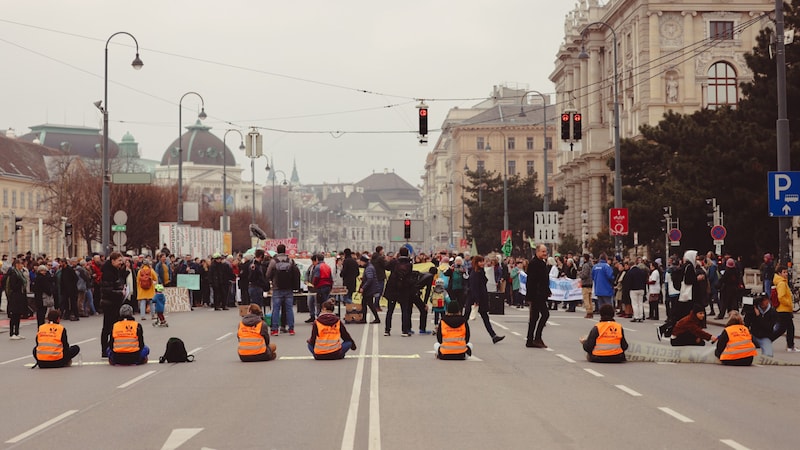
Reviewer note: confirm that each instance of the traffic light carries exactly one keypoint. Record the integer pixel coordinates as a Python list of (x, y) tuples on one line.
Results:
[(576, 126), (407, 229), (67, 229), (565, 126), (423, 120), (17, 225)]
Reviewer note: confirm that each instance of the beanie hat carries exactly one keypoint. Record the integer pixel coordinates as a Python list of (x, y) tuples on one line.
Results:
[(453, 307), (698, 308), (606, 312), (730, 263), (126, 311)]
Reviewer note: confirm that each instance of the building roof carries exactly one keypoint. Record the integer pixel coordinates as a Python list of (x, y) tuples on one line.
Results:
[(199, 146), (86, 142), (509, 115), (386, 181), (21, 159)]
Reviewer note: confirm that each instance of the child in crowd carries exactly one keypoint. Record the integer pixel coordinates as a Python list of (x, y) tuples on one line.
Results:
[(439, 300), (159, 301)]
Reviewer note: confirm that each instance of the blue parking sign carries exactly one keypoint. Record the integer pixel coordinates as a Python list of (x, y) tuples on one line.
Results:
[(783, 189)]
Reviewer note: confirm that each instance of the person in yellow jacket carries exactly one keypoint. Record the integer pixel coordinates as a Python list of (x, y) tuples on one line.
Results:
[(52, 347), (146, 280), (735, 345), (784, 309), (126, 343), (329, 337), (253, 335), (606, 342), (452, 335)]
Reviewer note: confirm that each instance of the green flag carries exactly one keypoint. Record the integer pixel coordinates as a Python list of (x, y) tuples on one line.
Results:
[(507, 247)]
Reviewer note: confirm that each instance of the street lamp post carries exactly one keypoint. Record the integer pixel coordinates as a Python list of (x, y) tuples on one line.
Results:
[(505, 175), (200, 116), (225, 226), (274, 217), (480, 179), (546, 193), (617, 155), (106, 190), (782, 125)]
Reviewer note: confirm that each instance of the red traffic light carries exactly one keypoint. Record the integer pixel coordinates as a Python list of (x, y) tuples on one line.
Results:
[(565, 117), (407, 223), (576, 117), (423, 112)]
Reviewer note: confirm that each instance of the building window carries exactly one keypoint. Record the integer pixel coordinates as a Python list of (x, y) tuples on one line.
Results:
[(480, 167), (548, 143), (721, 29), (38, 201), (30, 201), (512, 143), (721, 86), (512, 167), (22, 199), (529, 143), (480, 143), (5, 198), (13, 199), (530, 168), (549, 166)]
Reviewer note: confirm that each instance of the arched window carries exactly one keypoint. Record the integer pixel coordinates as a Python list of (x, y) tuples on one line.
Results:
[(722, 89)]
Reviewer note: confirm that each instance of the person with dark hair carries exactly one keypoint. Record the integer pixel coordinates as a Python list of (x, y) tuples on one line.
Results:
[(399, 289), (219, 282), (52, 348), (689, 330), (606, 341), (257, 278), (761, 320), (478, 294), (731, 286), (370, 288), (112, 288), (284, 276), (322, 280), (349, 273), (784, 309), (452, 335), (43, 287), (329, 337), (735, 345), (253, 336), (537, 293), (126, 343), (312, 295)]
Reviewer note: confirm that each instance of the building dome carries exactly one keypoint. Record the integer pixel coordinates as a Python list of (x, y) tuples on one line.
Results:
[(85, 142), (200, 147)]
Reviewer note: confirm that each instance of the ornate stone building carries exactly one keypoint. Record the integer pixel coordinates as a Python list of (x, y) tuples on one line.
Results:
[(670, 55)]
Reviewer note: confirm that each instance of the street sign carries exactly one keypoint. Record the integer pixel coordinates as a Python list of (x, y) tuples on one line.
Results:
[(119, 228), (618, 221), (718, 232), (545, 227), (675, 235), (783, 189)]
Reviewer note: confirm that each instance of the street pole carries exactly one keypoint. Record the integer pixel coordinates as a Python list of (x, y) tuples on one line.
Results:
[(225, 226), (546, 193), (200, 116), (105, 201), (505, 176), (782, 126)]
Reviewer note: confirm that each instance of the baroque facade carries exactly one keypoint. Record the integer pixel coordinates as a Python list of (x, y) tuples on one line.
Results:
[(670, 55)]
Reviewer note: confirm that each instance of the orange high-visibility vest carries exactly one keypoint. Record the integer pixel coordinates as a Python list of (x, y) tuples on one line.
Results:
[(454, 340), (329, 339), (126, 339), (740, 344), (251, 342), (608, 340), (49, 346)]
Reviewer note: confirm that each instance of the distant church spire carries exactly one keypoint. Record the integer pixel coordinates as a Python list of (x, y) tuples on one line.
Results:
[(295, 179), (271, 176)]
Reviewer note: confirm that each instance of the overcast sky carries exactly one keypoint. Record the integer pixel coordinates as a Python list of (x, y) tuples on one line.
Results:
[(298, 70)]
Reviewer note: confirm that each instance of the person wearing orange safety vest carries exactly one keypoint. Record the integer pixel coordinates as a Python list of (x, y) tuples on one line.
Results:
[(52, 347), (126, 343), (606, 342), (253, 337), (329, 338), (735, 345), (452, 335)]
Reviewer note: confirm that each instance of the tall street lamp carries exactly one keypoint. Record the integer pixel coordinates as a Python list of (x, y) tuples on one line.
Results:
[(200, 116), (274, 216), (106, 191), (782, 125), (478, 169), (505, 175), (225, 226), (617, 155), (546, 194)]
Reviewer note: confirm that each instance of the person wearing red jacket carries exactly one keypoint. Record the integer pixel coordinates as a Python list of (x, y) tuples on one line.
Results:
[(689, 330)]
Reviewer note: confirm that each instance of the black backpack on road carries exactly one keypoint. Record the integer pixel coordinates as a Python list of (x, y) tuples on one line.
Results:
[(175, 352)]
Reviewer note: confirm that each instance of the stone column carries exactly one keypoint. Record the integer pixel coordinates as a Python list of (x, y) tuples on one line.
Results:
[(597, 214)]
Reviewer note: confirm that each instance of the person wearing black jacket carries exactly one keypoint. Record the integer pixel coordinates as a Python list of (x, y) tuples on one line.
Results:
[(761, 320), (538, 291), (349, 274), (112, 286), (219, 282), (399, 290), (244, 279), (69, 289), (42, 285), (480, 295), (257, 279)]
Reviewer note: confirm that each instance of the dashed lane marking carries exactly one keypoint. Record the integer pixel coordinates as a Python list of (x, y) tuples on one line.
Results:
[(500, 325), (179, 436), (556, 324), (224, 336), (194, 350), (675, 414), (134, 380), (41, 427), (414, 356), (565, 358), (594, 372), (627, 390), (515, 333), (733, 444)]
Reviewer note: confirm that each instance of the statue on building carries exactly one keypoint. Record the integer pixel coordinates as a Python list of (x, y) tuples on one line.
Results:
[(672, 90)]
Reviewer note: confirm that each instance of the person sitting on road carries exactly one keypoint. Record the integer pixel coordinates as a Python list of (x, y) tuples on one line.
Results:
[(126, 343), (735, 345), (329, 337), (52, 347), (606, 342), (452, 335), (253, 337), (689, 330)]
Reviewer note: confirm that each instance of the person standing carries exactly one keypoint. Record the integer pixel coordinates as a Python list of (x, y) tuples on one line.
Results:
[(52, 349), (637, 280), (219, 282), (370, 288), (399, 289), (767, 270), (112, 291), (257, 282), (284, 276), (43, 288), (585, 275), (164, 271), (479, 295), (457, 276), (322, 280), (603, 281), (538, 291), (16, 291), (654, 290), (349, 273), (731, 286), (784, 309), (145, 287)]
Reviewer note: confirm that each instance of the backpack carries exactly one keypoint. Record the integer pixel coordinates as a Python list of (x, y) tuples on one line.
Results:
[(773, 297), (175, 352), (145, 280), (283, 273), (677, 279)]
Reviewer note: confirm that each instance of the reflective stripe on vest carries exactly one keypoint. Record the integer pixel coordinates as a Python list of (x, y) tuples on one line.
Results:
[(126, 339), (251, 342), (740, 344), (49, 346), (608, 339), (454, 340), (328, 338)]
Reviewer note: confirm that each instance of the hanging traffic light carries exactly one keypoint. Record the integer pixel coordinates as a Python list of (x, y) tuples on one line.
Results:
[(407, 229), (67, 229), (423, 119), (576, 126), (565, 126), (17, 225)]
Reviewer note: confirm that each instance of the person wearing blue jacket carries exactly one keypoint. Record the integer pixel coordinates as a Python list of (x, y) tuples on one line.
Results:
[(603, 281)]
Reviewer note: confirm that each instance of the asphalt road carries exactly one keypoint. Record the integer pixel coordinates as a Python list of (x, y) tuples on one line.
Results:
[(392, 394)]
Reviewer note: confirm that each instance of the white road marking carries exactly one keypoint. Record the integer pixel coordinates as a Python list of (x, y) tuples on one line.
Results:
[(194, 350), (224, 336), (594, 372), (628, 390), (179, 436), (140, 377), (93, 363), (374, 398), (676, 415), (665, 362), (41, 427), (349, 436), (565, 358), (474, 359), (556, 324), (515, 333), (548, 349), (16, 359), (299, 358), (499, 325), (733, 444), (84, 341)]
